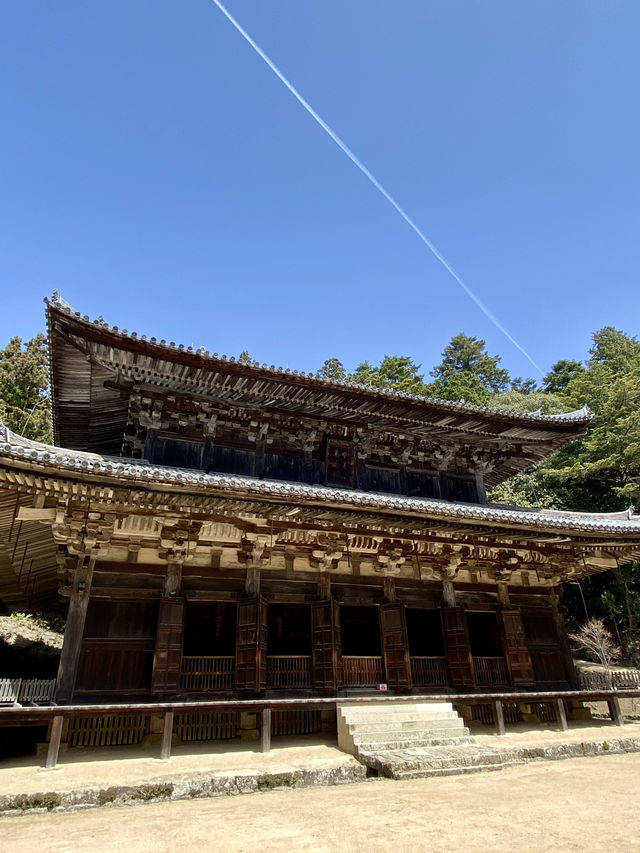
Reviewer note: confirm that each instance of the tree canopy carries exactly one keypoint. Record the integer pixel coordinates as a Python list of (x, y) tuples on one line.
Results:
[(24, 405)]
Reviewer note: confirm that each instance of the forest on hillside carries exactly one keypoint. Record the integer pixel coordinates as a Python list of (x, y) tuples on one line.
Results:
[(599, 472)]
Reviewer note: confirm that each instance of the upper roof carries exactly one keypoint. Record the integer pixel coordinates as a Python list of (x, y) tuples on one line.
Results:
[(93, 364)]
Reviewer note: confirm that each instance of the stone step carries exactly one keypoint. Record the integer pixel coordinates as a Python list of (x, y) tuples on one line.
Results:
[(415, 762), (418, 736), (397, 746), (404, 725), (397, 707), (399, 717)]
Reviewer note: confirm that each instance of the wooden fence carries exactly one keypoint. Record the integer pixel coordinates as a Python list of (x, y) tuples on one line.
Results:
[(21, 690)]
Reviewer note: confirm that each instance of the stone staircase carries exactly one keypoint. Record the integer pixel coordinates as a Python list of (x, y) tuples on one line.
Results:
[(403, 740)]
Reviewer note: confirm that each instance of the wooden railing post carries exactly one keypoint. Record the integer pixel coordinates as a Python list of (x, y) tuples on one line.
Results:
[(54, 741), (498, 716), (167, 734)]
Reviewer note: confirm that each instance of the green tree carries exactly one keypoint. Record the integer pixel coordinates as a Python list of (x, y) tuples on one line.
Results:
[(529, 401), (397, 372), (463, 387), (333, 369), (607, 460), (470, 354), (24, 404), (560, 375), (244, 357)]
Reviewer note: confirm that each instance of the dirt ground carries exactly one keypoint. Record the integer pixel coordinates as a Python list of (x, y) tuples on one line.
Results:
[(584, 804)]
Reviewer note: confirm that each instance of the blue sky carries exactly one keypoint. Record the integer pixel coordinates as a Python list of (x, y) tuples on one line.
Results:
[(157, 173)]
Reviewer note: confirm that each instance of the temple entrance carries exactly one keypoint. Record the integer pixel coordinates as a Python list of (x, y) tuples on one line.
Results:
[(361, 646), (426, 648), (208, 656), (289, 646), (485, 641)]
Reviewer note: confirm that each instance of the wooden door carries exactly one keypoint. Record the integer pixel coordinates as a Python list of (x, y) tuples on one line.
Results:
[(458, 651), (516, 651), (395, 646), (325, 644), (251, 644), (167, 658)]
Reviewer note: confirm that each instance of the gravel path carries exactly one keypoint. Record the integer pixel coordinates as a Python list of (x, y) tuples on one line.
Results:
[(578, 804)]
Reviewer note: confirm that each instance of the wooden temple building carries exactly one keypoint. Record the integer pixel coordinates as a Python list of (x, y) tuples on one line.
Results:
[(224, 529)]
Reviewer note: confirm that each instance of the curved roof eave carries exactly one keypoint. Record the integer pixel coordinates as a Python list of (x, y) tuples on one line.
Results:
[(580, 417), (25, 450)]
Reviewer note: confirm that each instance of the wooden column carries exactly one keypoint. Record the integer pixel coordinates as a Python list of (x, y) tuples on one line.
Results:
[(498, 716), (74, 630), (615, 712), (54, 741), (265, 740), (326, 646), (562, 714), (458, 650), (563, 641), (167, 734), (395, 646)]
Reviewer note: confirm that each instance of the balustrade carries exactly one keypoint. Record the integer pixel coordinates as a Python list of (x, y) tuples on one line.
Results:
[(361, 671), (429, 671), (207, 673), (490, 671), (288, 671)]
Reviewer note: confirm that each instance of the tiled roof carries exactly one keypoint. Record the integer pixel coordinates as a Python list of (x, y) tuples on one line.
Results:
[(13, 446), (580, 416)]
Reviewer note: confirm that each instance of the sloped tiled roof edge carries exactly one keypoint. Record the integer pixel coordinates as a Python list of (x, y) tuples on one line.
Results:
[(18, 448), (57, 303)]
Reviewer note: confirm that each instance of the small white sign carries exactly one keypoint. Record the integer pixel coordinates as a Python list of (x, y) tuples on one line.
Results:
[(382, 688)]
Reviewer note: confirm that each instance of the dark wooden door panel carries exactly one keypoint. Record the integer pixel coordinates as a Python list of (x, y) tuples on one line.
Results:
[(458, 651), (251, 645), (516, 651), (167, 660), (395, 646), (325, 643)]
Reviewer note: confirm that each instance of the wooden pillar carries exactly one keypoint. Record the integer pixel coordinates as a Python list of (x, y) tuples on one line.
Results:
[(563, 641), (167, 734), (265, 740), (562, 714), (498, 716), (615, 711), (252, 582), (448, 593), (54, 741), (74, 630), (395, 646)]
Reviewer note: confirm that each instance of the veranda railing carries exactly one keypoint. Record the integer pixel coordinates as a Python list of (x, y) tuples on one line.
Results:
[(211, 672), (361, 671), (429, 671), (289, 671), (490, 671)]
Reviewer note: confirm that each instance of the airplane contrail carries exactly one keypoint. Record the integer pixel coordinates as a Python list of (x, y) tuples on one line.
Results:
[(376, 183)]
